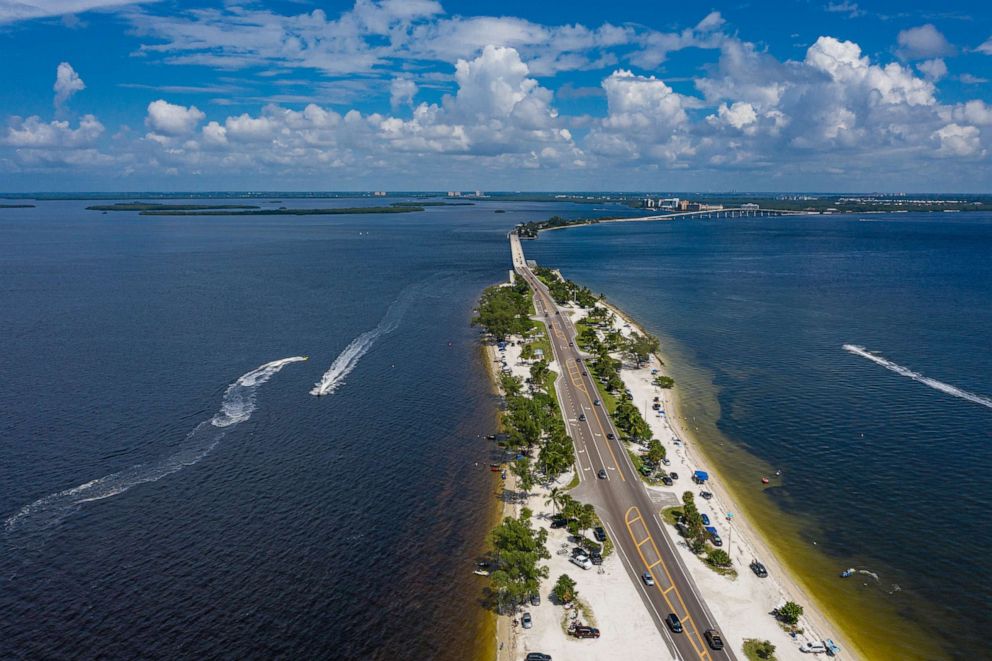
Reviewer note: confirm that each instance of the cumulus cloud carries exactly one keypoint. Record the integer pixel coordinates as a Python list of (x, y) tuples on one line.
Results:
[(67, 83), (934, 69), (958, 141), (20, 10), (401, 92), (36, 133), (985, 47), (925, 41), (169, 119)]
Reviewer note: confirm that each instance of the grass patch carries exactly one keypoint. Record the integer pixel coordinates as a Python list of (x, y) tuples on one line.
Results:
[(574, 482), (608, 399), (759, 650), (670, 515), (586, 615), (638, 462), (542, 342)]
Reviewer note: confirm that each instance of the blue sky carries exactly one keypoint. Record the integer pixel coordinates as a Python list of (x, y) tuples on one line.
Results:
[(424, 94)]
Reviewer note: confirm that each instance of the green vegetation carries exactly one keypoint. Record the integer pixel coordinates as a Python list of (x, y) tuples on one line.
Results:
[(145, 206), (640, 347), (565, 291), (283, 211), (664, 381), (504, 310), (790, 612), (565, 591), (759, 650), (517, 550), (432, 204), (656, 451), (17, 206)]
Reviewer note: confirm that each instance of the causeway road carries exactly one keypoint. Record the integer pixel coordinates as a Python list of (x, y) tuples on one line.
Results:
[(631, 519)]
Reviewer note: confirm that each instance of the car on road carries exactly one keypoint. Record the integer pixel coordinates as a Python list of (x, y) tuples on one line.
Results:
[(705, 518), (610, 435), (759, 569), (535, 599), (647, 578), (674, 623), (537, 656), (599, 534), (585, 632), (595, 402), (582, 417), (581, 561), (602, 473), (526, 622), (705, 495), (713, 638), (585, 373)]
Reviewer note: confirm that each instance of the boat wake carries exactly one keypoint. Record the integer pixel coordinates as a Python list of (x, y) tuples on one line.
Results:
[(916, 376), (237, 406), (348, 359)]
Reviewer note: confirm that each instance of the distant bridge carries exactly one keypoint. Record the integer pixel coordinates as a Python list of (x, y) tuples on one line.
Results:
[(720, 213)]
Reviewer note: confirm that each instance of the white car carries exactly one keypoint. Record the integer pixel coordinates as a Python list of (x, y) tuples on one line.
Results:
[(813, 648), (581, 561)]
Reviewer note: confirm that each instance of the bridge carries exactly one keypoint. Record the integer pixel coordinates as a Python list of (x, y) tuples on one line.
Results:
[(735, 212)]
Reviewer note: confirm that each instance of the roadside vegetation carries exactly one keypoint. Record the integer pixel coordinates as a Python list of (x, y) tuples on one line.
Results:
[(565, 291), (689, 523), (759, 650), (518, 549), (505, 310)]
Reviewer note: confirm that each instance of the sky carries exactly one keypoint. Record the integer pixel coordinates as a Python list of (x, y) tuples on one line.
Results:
[(817, 96)]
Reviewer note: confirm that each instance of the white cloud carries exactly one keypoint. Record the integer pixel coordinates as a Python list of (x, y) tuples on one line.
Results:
[(958, 141), (925, 41), (33, 132), (20, 10), (401, 92), (740, 115), (845, 7), (971, 79), (172, 120), (67, 83), (933, 69), (985, 47)]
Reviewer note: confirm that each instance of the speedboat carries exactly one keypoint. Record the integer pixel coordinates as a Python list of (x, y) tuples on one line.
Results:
[(847, 572)]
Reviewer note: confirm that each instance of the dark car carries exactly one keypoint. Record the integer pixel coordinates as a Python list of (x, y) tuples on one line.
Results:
[(610, 435), (578, 550), (582, 417), (705, 518), (599, 534), (595, 557), (602, 473), (559, 522), (705, 495), (759, 569), (535, 599), (585, 632), (558, 313), (673, 475), (674, 623), (713, 638), (537, 656), (571, 344), (667, 481), (585, 373)]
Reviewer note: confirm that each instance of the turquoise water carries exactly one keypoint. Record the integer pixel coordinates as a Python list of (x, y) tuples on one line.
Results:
[(884, 462)]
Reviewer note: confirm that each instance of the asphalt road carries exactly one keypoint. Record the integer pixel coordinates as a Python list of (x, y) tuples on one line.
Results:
[(632, 521)]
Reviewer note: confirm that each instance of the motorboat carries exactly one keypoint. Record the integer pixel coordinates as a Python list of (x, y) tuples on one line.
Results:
[(848, 572)]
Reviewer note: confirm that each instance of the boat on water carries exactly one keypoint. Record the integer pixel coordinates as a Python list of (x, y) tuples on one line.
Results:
[(848, 572), (764, 480)]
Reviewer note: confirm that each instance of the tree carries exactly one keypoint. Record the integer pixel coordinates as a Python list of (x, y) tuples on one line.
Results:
[(521, 469), (664, 381), (555, 497), (586, 517), (511, 385), (790, 612), (517, 550), (719, 558), (527, 352), (640, 347), (762, 649), (656, 451), (564, 590), (539, 372)]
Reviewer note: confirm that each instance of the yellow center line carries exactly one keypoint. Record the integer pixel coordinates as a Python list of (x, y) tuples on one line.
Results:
[(699, 649)]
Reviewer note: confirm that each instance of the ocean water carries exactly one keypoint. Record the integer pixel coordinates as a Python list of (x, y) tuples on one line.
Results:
[(854, 354), (169, 486)]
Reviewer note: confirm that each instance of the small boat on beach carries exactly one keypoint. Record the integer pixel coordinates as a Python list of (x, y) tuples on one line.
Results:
[(848, 572), (764, 480)]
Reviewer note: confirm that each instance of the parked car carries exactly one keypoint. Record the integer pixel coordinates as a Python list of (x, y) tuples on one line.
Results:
[(647, 578), (673, 475), (714, 536), (713, 638), (705, 495), (667, 481), (813, 648), (595, 557), (526, 622), (578, 550), (705, 518), (674, 623), (535, 599), (759, 569), (581, 561), (599, 534), (602, 473), (665, 461), (585, 632), (537, 656), (559, 522)]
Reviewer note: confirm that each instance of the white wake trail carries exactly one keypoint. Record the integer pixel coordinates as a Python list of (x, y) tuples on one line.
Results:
[(237, 406), (916, 376), (348, 359)]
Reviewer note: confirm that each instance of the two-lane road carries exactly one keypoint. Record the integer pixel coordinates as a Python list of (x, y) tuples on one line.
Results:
[(632, 520)]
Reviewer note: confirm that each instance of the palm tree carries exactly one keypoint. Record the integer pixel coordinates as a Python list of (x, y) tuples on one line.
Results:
[(555, 498)]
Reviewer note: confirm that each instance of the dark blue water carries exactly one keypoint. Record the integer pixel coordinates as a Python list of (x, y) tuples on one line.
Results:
[(881, 470), (339, 527)]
